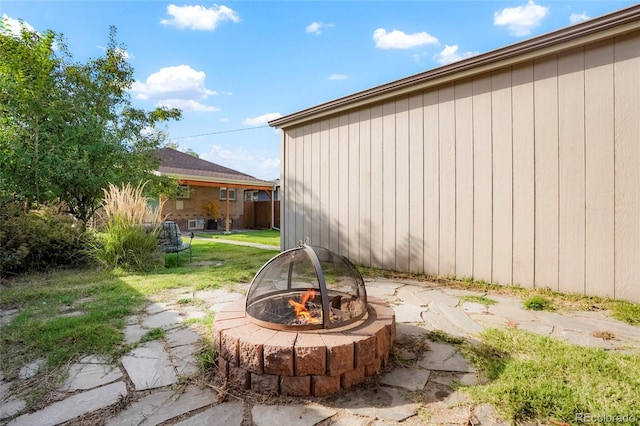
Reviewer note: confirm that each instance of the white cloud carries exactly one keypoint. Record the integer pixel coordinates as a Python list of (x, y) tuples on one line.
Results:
[(14, 25), (181, 82), (199, 17), (450, 54), (338, 77), (400, 40), (578, 17), (317, 27), (262, 119), (270, 163), (521, 19), (187, 105), (180, 87)]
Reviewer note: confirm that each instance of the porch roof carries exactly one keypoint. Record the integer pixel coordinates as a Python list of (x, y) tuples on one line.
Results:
[(196, 171)]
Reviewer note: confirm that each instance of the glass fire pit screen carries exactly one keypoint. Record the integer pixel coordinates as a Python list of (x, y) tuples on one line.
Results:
[(307, 287)]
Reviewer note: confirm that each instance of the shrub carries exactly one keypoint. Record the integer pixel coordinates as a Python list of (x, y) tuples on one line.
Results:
[(38, 239), (538, 303), (127, 246), (128, 239)]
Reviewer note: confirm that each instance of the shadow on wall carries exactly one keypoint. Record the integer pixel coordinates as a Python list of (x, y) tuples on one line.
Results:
[(362, 241)]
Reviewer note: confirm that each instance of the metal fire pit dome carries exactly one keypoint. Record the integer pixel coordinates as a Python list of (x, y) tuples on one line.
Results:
[(306, 288)]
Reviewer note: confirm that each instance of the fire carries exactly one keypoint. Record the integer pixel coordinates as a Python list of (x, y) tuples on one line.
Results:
[(302, 313)]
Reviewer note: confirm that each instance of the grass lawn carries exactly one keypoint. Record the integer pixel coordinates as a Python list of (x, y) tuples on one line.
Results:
[(64, 315), (268, 237), (533, 377)]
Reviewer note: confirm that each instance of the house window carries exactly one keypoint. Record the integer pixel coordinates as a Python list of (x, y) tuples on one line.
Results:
[(251, 195), (232, 194), (184, 191)]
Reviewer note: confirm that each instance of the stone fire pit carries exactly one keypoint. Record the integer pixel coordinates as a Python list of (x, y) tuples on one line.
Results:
[(300, 334)]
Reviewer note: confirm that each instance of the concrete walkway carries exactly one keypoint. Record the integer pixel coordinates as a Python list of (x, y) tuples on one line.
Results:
[(159, 382)]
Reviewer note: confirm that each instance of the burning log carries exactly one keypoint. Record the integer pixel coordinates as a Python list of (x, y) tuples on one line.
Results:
[(304, 314)]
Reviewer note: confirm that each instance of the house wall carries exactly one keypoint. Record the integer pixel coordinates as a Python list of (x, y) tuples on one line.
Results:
[(527, 175), (192, 207)]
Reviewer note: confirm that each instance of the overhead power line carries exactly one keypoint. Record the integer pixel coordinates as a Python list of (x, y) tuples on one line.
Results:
[(217, 133)]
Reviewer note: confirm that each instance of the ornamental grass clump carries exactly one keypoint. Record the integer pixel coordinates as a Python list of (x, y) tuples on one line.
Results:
[(128, 238)]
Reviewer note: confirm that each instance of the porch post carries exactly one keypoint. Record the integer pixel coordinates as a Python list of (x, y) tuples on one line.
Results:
[(227, 215)]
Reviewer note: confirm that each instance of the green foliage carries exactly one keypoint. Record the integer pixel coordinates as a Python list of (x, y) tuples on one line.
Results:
[(155, 334), (68, 129), (38, 240), (127, 246), (483, 300), (129, 239), (539, 378), (625, 311), (538, 303)]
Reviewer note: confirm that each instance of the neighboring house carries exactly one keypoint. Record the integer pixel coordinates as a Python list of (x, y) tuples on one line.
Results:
[(518, 166), (204, 182), (262, 195)]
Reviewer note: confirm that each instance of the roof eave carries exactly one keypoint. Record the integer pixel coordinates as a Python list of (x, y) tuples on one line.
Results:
[(221, 180), (613, 24)]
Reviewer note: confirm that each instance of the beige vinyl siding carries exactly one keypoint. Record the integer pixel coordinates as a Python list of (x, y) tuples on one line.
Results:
[(431, 200), (523, 176), (464, 179), (571, 177), (502, 178), (363, 221), (417, 181), (482, 179), (599, 134), (447, 150), (527, 174), (627, 167), (388, 206), (377, 195)]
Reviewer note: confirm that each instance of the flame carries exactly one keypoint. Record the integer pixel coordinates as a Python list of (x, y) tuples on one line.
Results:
[(301, 309)]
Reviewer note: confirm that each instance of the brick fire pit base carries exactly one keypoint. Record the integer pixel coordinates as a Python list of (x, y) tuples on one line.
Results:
[(302, 363)]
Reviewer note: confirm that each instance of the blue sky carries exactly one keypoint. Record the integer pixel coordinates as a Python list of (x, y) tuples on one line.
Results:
[(232, 66)]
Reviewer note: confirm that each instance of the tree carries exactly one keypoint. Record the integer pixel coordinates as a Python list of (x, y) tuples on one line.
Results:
[(68, 129)]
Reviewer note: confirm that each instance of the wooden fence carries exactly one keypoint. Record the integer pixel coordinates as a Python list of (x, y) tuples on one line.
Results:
[(257, 214)]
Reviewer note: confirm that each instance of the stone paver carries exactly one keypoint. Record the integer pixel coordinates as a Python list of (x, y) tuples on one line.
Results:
[(133, 333), (184, 359), (444, 357), (408, 313), (412, 379), (457, 317), (83, 376), (386, 404), (299, 415), (165, 320), (149, 367), (31, 369), (182, 336), (9, 405), (156, 308), (437, 296), (227, 414), (352, 421), (153, 368), (433, 321), (74, 406), (162, 406)]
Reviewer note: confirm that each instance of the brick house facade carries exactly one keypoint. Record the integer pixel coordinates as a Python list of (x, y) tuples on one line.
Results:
[(206, 182)]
